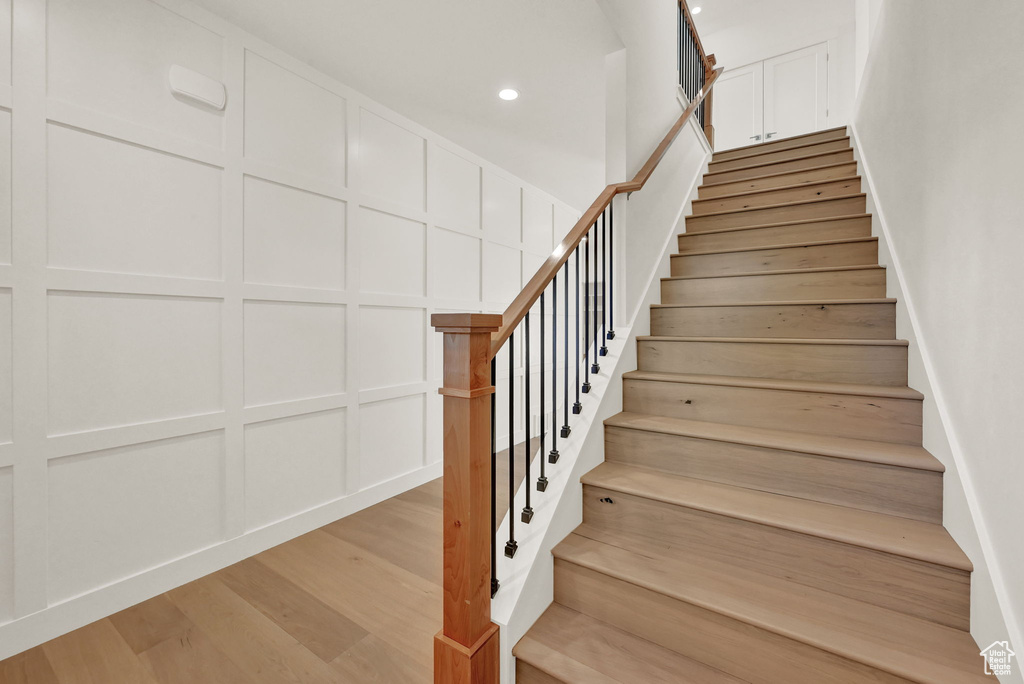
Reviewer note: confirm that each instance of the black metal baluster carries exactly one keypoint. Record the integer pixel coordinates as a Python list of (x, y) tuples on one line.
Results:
[(611, 270), (553, 456), (595, 367), (604, 278), (578, 406), (511, 546), (542, 481), (566, 430), (586, 314), (494, 473), (528, 371)]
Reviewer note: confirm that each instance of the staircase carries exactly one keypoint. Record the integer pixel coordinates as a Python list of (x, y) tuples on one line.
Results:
[(766, 512)]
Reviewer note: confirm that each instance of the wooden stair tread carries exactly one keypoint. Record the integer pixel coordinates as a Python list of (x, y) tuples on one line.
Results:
[(811, 302), (774, 225), (905, 646), (793, 203), (825, 269), (767, 145), (922, 541), (765, 191), (778, 173), (779, 384), (772, 162), (573, 647), (769, 148), (887, 453), (778, 340), (791, 245)]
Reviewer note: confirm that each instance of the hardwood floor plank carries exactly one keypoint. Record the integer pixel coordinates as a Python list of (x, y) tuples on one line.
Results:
[(412, 550), (396, 605), (95, 654), (191, 657), (374, 660), (28, 667), (261, 649), (310, 621), (147, 624)]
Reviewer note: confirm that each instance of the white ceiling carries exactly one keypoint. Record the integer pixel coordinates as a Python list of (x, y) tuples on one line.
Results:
[(442, 62)]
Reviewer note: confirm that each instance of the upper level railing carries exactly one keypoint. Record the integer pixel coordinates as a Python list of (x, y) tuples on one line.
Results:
[(695, 67), (551, 337)]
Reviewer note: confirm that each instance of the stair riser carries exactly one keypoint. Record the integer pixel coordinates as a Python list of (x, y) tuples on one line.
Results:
[(857, 284), (925, 590), (528, 674), (741, 649), (797, 212), (904, 492), (813, 231), (779, 155), (848, 186), (844, 170), (776, 145), (777, 259), (779, 167), (814, 321), (862, 364), (881, 419)]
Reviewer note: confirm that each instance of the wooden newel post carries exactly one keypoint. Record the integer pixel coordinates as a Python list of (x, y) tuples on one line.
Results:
[(709, 130), (466, 650)]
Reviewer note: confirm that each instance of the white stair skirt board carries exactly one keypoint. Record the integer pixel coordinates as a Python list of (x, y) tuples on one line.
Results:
[(991, 616)]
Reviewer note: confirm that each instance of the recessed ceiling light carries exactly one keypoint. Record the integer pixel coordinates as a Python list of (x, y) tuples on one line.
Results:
[(695, 10), (508, 94)]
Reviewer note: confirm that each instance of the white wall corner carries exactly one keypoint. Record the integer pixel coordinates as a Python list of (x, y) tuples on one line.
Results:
[(992, 615)]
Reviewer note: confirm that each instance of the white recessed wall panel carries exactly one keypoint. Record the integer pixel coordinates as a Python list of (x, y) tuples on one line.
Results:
[(292, 465), (121, 208), (392, 341), (391, 162), (5, 182), (6, 367), (117, 512), (454, 191), (124, 359), (293, 351), (5, 41), (391, 438), (293, 237), (502, 208), (502, 273), (537, 218), (292, 123), (565, 219), (114, 57), (6, 544), (455, 270), (392, 254), (531, 264)]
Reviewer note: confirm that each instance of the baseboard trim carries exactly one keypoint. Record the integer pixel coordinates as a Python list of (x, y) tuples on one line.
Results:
[(34, 629)]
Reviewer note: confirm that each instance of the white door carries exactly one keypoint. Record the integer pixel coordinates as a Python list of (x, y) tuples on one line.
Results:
[(777, 98), (796, 92), (738, 111)]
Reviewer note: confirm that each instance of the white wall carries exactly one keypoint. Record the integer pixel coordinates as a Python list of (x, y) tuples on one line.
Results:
[(752, 31), (938, 130), (217, 319)]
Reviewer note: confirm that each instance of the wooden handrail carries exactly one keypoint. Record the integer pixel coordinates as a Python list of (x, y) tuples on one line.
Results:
[(525, 300)]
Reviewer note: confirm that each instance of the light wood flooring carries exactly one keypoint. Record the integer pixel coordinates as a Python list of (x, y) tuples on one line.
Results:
[(358, 600)]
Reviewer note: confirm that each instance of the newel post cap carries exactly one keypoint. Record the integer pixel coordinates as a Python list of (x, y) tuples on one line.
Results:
[(465, 322)]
